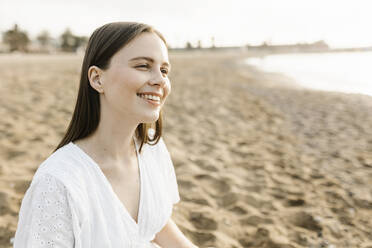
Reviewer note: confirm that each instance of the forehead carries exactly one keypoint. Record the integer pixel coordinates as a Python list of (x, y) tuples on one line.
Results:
[(145, 45)]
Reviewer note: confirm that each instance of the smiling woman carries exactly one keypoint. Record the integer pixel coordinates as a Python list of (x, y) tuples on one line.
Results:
[(110, 182)]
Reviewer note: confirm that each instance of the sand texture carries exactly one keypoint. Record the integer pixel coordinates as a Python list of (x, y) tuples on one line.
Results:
[(260, 162)]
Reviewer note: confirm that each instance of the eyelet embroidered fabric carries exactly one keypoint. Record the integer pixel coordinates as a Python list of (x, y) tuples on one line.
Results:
[(51, 223)]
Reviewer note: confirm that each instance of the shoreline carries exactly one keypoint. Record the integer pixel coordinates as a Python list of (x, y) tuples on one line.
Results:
[(316, 77)]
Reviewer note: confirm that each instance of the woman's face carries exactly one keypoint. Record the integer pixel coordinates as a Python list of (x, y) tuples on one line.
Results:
[(142, 66)]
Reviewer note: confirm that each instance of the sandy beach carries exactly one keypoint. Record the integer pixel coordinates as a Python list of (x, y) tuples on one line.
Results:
[(260, 162)]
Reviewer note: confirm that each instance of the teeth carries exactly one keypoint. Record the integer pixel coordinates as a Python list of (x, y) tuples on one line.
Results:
[(151, 97)]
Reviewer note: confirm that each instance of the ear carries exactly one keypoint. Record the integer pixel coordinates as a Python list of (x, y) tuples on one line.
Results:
[(94, 76)]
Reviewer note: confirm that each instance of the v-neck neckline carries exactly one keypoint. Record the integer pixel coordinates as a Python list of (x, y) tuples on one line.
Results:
[(120, 203)]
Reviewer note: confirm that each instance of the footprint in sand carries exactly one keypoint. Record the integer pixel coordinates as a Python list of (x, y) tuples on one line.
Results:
[(12, 154), (213, 185), (258, 203), (228, 200), (186, 187), (202, 238), (21, 185), (239, 210), (205, 165), (262, 239), (337, 199), (201, 221), (200, 201), (255, 220), (305, 220), (294, 202), (37, 138), (363, 203), (6, 233), (186, 184), (4, 204), (253, 188)]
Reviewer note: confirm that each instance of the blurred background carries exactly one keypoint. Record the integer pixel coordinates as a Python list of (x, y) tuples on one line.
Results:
[(268, 123)]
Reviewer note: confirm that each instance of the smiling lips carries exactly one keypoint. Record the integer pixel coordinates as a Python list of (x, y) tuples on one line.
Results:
[(153, 99)]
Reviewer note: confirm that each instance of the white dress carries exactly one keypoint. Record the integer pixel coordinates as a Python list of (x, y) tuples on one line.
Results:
[(70, 202)]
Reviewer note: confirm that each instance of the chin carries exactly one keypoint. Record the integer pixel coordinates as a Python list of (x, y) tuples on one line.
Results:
[(151, 118)]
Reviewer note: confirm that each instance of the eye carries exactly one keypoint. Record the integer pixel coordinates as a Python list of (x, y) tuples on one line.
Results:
[(143, 66), (165, 71)]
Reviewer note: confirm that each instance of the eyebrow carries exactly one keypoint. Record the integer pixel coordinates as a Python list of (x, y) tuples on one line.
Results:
[(149, 59)]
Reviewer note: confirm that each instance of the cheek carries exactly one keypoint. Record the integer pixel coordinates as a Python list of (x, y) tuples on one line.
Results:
[(168, 87), (126, 83)]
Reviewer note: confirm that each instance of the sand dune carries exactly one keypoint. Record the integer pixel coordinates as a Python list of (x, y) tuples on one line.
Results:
[(259, 161)]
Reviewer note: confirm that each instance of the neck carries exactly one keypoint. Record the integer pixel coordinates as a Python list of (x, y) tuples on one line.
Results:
[(113, 139)]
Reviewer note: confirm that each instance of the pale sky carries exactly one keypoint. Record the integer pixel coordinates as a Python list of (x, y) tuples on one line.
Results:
[(341, 23)]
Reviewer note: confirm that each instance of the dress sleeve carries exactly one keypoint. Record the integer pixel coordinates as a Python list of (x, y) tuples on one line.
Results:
[(170, 173), (45, 218)]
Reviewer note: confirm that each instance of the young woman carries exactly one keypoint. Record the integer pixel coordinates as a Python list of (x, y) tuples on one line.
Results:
[(110, 182)]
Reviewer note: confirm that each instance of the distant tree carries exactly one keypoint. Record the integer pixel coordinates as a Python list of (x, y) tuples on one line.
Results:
[(213, 42), (71, 42), (321, 44), (81, 41), (188, 45), (44, 38), (16, 39), (68, 41), (199, 44)]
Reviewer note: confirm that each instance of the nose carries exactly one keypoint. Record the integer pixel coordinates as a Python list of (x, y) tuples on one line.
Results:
[(158, 79)]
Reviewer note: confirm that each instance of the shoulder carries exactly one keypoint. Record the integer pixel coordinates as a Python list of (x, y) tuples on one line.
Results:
[(63, 159), (64, 165), (63, 172)]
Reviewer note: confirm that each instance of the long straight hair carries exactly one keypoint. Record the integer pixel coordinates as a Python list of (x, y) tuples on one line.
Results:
[(102, 45)]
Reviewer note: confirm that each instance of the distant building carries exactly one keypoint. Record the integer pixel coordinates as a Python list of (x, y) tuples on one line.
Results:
[(318, 46), (214, 48)]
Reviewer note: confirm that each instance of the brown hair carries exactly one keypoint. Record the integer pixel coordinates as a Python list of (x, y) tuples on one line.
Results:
[(102, 45)]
